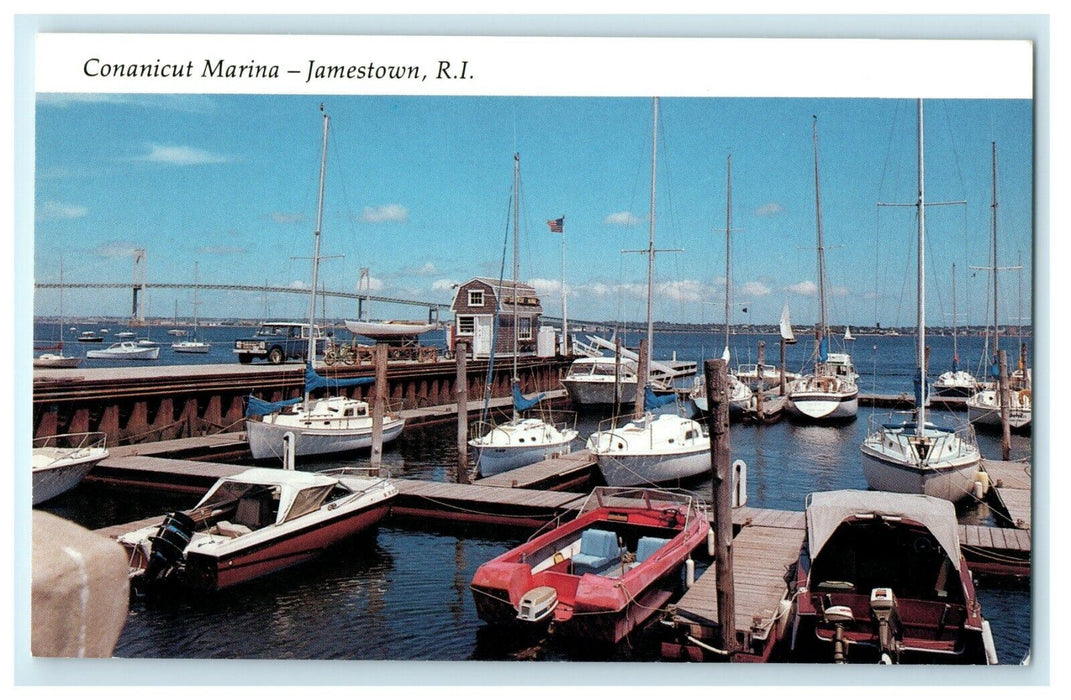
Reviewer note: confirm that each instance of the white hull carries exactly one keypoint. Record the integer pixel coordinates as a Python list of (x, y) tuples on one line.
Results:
[(625, 470), (958, 383), (950, 481), (983, 409), (388, 329), (266, 436), (191, 347), (654, 450), (823, 405), (126, 350), (58, 470), (495, 459), (56, 361), (588, 392)]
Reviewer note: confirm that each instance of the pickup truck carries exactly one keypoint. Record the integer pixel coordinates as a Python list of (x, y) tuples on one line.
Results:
[(278, 342)]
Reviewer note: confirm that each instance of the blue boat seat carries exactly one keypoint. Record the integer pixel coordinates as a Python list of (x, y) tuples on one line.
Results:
[(648, 546), (598, 548)]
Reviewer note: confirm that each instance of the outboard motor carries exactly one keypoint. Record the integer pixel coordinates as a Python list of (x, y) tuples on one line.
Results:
[(883, 608), (168, 546)]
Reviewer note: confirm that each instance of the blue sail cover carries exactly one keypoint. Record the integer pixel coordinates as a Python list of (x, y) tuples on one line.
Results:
[(650, 400), (955, 363), (259, 407), (314, 381), (995, 369), (921, 392), (523, 404), (823, 350)]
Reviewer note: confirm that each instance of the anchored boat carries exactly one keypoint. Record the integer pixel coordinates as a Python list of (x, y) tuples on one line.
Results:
[(600, 575), (256, 523)]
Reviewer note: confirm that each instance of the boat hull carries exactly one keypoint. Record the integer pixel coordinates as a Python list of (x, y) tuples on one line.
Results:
[(823, 406), (595, 393), (266, 438), (629, 470), (246, 563), (495, 459), (197, 348), (985, 412), (950, 482), (56, 362), (50, 482)]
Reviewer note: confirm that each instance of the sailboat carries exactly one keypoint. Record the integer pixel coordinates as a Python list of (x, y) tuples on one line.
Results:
[(848, 334), (327, 425), (740, 394), (649, 449), (915, 456), (830, 392), (984, 406), (956, 381), (193, 345), (57, 360), (521, 440)]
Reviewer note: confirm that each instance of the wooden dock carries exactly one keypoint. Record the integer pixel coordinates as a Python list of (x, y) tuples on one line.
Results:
[(557, 473)]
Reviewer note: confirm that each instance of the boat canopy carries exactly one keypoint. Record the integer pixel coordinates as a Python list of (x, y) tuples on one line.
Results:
[(523, 404), (826, 510), (652, 400), (298, 492), (259, 407), (313, 381)]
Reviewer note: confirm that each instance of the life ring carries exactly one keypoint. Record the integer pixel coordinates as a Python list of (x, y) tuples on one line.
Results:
[(1024, 397)]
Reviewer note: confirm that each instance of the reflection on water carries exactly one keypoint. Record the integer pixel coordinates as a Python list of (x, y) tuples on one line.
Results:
[(402, 593)]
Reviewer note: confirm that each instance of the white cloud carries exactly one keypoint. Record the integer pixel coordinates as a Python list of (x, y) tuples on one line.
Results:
[(180, 155), (298, 284), (806, 288), (116, 249), (680, 290), (840, 292), (384, 213), (621, 218), (50, 211), (769, 209), (546, 286), (443, 284), (754, 289), (282, 217)]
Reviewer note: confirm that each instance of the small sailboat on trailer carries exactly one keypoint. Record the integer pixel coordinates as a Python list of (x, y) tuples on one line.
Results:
[(915, 456), (255, 523), (327, 425), (650, 449), (881, 579), (830, 392), (521, 440), (601, 575)]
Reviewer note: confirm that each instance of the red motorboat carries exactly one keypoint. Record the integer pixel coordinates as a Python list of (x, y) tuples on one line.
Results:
[(599, 576), (881, 579)]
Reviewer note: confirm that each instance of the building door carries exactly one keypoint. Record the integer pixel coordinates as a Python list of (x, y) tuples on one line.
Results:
[(481, 343)]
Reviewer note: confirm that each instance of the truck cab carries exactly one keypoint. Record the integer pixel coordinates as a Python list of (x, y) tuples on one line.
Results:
[(278, 342)]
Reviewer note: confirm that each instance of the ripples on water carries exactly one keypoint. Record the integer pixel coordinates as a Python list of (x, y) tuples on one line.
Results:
[(402, 592)]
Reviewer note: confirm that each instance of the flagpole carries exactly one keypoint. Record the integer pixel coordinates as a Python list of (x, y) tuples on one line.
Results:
[(565, 322)]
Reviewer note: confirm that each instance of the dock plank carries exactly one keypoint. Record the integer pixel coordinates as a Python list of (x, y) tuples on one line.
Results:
[(541, 472)]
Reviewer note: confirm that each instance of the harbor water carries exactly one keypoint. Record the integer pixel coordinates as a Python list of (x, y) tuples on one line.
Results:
[(402, 592)]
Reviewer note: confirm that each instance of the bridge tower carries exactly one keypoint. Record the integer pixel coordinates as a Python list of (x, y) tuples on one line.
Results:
[(137, 307), (364, 282)]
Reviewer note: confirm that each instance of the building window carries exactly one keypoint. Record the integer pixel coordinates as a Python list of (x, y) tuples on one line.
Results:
[(524, 329), (466, 325), (475, 297)]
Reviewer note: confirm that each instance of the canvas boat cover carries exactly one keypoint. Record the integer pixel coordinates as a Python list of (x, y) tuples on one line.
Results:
[(826, 510)]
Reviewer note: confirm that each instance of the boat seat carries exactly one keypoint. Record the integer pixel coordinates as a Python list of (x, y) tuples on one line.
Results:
[(598, 549), (252, 512), (648, 546), (229, 529)]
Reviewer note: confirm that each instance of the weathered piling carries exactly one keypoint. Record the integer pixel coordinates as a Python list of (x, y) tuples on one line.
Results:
[(462, 395), (782, 382), (379, 405), (641, 380), (717, 384), (759, 409), (1005, 405), (617, 375)]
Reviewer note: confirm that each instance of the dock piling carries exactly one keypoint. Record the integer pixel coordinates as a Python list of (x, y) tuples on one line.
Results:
[(461, 390), (758, 393), (641, 380), (378, 407), (717, 386), (1005, 405)]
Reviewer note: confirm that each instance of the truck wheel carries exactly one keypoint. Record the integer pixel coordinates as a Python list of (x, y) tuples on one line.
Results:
[(275, 356), (245, 359)]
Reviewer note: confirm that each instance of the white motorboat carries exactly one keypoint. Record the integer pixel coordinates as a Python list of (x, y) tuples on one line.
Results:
[(830, 392), (597, 380), (955, 382), (740, 397), (124, 335), (255, 523), (126, 350), (89, 337), (60, 462), (327, 425), (51, 360), (522, 440), (651, 449), (193, 345), (768, 375), (914, 456)]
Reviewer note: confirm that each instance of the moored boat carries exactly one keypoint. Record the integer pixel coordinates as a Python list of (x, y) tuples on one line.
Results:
[(881, 579), (256, 523), (125, 350), (601, 575), (386, 330), (89, 337), (60, 462)]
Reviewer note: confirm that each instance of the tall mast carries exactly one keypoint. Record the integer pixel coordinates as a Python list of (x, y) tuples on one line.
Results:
[(921, 282), (955, 323), (316, 251), (821, 248), (996, 327), (650, 242), (728, 234), (516, 267)]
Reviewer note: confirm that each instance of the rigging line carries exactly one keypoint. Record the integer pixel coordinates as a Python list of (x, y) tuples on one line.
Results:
[(338, 163), (488, 385)]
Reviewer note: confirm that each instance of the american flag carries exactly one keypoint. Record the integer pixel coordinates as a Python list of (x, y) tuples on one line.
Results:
[(556, 225)]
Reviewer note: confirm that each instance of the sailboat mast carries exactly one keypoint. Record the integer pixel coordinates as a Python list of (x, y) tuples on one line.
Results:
[(996, 326), (650, 243), (516, 265), (921, 282), (728, 234), (955, 322), (316, 250), (821, 248)]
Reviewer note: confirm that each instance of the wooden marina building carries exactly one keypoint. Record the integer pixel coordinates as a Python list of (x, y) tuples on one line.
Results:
[(476, 304)]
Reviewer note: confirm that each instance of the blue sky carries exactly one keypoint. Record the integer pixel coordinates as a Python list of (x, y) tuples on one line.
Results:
[(419, 188)]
